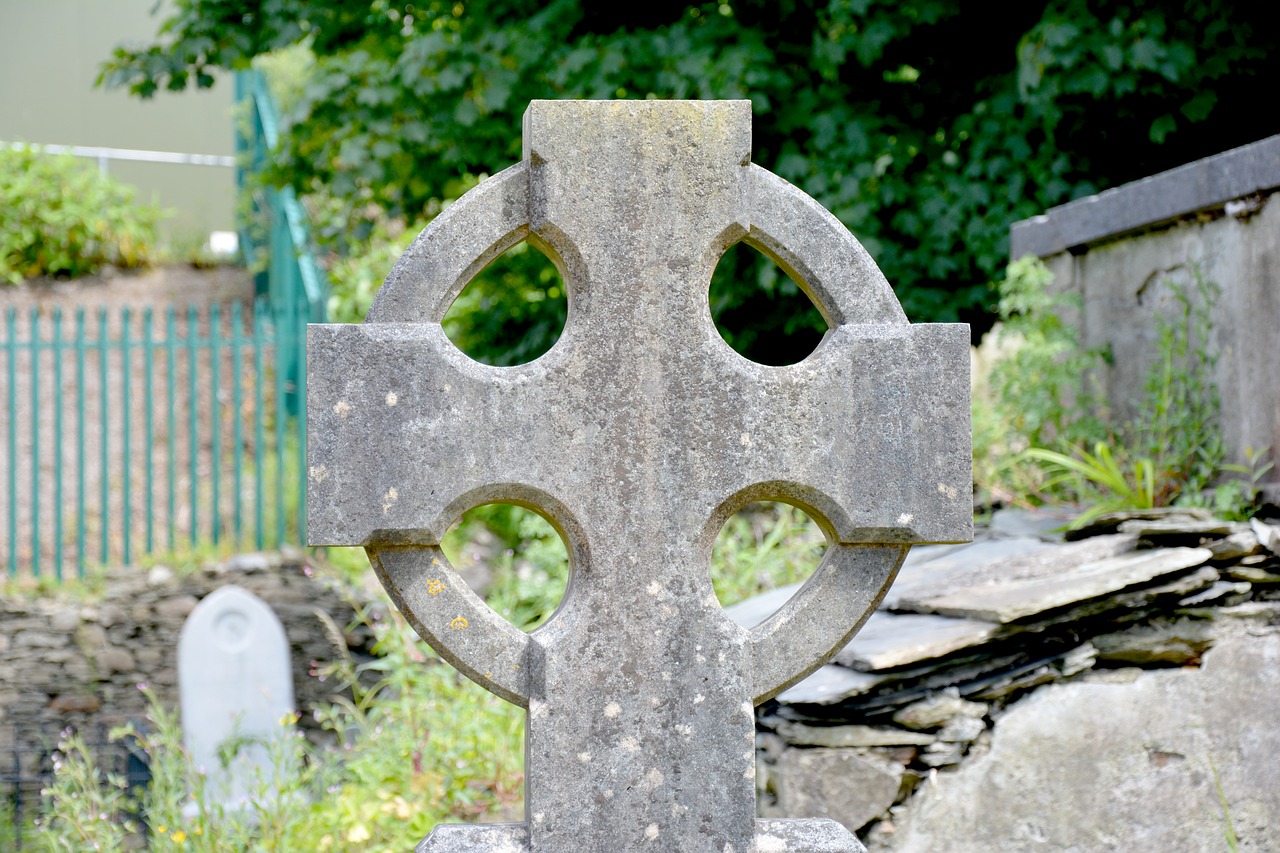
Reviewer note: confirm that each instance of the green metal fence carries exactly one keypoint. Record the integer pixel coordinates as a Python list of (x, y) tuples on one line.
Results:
[(136, 431), (274, 235)]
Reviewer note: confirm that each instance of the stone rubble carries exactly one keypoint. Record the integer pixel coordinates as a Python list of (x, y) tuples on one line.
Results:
[(968, 631)]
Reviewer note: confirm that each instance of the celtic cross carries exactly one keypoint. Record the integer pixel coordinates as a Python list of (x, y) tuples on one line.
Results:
[(637, 435)]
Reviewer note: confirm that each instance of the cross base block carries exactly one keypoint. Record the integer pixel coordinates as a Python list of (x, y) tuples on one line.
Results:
[(805, 835)]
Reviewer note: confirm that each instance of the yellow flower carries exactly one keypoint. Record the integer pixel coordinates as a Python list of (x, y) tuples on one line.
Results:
[(179, 836), (358, 833), (162, 828)]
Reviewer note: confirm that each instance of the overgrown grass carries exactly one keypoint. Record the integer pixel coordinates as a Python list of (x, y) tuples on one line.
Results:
[(765, 546), (412, 742)]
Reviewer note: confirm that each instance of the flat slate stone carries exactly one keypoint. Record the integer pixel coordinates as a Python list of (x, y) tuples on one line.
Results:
[(933, 573), (1047, 524), (1243, 543), (938, 710), (1219, 591), (1268, 535), (801, 734), (1111, 521), (1019, 599), (1000, 561), (1164, 527), (828, 685), (892, 640)]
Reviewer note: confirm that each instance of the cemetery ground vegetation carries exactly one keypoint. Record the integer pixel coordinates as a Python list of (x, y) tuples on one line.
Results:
[(410, 742), (926, 127), (1042, 432), (61, 217)]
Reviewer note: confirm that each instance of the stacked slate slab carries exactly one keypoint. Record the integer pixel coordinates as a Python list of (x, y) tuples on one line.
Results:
[(966, 630)]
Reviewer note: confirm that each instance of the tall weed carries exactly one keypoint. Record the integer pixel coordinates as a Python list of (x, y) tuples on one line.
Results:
[(1172, 451)]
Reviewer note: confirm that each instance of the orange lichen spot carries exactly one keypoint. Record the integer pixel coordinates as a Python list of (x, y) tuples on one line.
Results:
[(458, 623), (435, 586)]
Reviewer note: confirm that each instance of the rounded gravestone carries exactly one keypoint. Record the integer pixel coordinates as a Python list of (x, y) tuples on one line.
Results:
[(236, 689)]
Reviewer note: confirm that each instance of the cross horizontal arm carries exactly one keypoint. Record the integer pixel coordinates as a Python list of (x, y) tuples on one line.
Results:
[(401, 423)]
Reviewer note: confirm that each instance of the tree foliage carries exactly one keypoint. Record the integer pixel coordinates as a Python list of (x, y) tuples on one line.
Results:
[(925, 126)]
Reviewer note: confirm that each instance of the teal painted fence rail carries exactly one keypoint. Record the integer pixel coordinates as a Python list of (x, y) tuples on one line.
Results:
[(149, 429), (140, 431), (275, 235)]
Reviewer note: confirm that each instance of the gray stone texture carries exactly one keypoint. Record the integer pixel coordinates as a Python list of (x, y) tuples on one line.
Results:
[(841, 784), (1013, 600), (1121, 766), (889, 641), (638, 435), (1205, 184)]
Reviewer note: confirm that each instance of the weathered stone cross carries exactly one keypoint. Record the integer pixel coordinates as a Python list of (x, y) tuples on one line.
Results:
[(637, 435)]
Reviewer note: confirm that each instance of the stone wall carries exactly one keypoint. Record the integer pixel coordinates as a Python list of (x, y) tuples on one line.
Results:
[(1024, 694), (1121, 249), (77, 658)]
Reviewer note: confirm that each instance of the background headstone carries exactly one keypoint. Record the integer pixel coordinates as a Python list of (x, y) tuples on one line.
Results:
[(236, 686)]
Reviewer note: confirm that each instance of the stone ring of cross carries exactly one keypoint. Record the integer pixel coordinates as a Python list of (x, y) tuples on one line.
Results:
[(637, 435)]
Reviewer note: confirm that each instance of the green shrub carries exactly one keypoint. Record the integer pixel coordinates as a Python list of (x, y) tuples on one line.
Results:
[(62, 217), (1039, 394), (354, 279)]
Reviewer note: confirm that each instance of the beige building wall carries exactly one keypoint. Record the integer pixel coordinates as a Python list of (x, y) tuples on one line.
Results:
[(50, 55)]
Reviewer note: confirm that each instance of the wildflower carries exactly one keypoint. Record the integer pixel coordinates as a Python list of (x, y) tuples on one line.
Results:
[(179, 836), (162, 829)]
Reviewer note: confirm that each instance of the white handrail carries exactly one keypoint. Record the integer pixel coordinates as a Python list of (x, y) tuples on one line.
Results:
[(102, 155)]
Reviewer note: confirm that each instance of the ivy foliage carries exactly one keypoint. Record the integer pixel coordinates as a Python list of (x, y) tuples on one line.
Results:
[(926, 126)]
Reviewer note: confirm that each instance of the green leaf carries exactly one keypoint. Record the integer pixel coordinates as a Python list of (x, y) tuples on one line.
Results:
[(1162, 127)]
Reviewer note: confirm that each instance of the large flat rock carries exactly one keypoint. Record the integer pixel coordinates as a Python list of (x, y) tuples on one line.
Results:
[(936, 570), (828, 685), (1093, 766), (892, 640), (1012, 600), (837, 784)]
